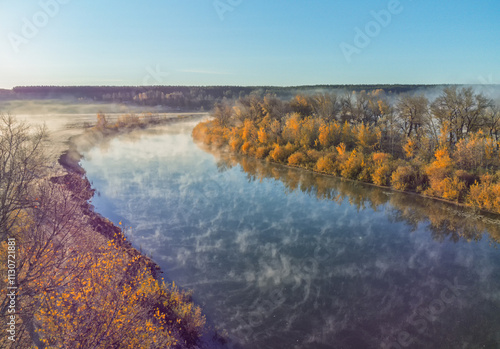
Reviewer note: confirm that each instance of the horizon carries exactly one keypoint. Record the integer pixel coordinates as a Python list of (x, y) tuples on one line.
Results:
[(242, 43), (256, 86)]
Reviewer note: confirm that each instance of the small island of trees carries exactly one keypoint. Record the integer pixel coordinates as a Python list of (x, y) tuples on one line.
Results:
[(446, 148)]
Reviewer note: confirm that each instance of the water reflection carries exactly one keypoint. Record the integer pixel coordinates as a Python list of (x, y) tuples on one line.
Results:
[(445, 220), (283, 258)]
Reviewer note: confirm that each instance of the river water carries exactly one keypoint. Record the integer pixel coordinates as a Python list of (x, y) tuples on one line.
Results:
[(284, 258)]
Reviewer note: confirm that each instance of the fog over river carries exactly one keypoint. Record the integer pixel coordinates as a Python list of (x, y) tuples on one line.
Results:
[(285, 258)]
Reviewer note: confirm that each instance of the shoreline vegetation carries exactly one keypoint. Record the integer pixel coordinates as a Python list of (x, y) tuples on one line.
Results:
[(445, 219), (80, 283), (446, 149)]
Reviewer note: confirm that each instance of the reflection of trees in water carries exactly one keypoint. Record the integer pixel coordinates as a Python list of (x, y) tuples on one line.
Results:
[(445, 220)]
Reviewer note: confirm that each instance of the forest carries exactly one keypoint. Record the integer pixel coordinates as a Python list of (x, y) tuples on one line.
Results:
[(184, 97), (445, 148)]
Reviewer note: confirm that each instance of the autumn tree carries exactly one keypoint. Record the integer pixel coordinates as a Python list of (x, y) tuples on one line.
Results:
[(116, 303), (476, 151), (102, 121), (329, 134), (77, 292), (302, 105), (439, 150)]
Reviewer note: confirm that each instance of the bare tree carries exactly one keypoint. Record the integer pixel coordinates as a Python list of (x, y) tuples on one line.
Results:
[(493, 122), (460, 111), (223, 113), (326, 106), (412, 111), (21, 162)]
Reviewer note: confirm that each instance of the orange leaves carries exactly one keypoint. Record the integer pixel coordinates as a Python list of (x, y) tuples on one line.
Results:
[(324, 136), (300, 104), (485, 194), (246, 148), (329, 134), (262, 135), (341, 149), (262, 152), (297, 159), (101, 121), (403, 178), (380, 158), (249, 131), (291, 128), (110, 302), (410, 148), (353, 166), (326, 165), (382, 168), (366, 138), (438, 171), (281, 153), (319, 141), (476, 151)]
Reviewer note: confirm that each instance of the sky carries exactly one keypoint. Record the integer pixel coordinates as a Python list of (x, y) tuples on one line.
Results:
[(248, 42)]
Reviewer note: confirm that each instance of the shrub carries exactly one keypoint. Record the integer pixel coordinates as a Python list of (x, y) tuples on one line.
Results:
[(485, 194), (382, 175), (438, 171), (235, 143), (261, 152), (382, 170), (408, 177), (353, 166), (245, 148), (281, 153), (296, 159), (325, 165), (453, 189)]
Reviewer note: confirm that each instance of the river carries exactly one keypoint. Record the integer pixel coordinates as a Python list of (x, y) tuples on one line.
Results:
[(284, 258)]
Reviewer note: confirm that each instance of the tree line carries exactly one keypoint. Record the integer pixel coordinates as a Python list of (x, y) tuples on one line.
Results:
[(184, 97), (446, 148)]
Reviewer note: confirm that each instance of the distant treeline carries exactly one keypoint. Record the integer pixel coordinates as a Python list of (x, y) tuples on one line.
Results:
[(184, 97), (446, 148)]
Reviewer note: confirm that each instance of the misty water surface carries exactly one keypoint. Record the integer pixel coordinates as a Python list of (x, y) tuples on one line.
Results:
[(283, 258)]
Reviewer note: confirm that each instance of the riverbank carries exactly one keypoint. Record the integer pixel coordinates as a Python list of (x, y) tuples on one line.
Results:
[(74, 179), (118, 291), (440, 175)]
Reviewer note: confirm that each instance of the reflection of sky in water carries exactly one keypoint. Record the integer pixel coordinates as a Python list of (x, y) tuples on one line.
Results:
[(285, 270)]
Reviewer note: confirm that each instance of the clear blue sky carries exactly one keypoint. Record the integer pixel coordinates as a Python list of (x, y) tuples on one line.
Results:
[(247, 42)]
